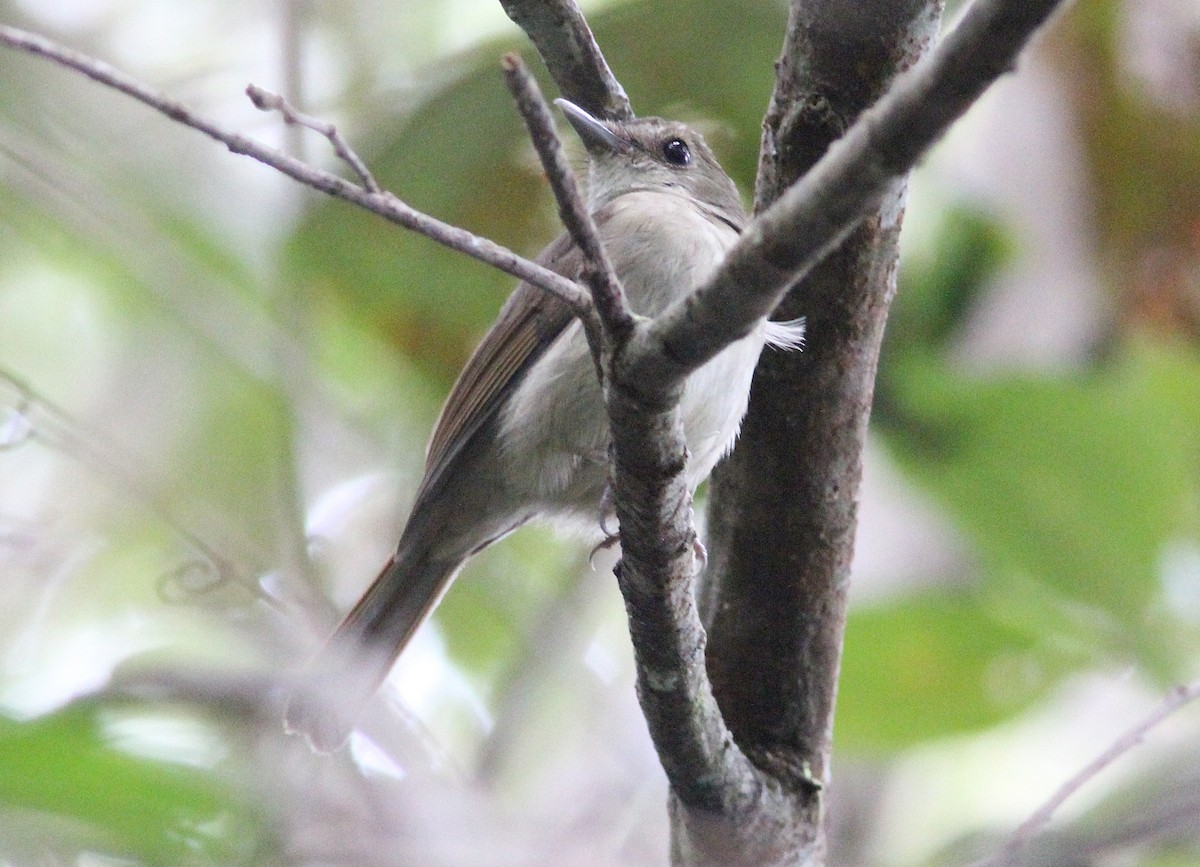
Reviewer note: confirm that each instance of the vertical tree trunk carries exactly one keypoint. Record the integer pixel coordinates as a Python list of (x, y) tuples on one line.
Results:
[(782, 508)]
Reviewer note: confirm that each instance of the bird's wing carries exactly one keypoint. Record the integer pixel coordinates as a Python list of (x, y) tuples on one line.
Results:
[(528, 323)]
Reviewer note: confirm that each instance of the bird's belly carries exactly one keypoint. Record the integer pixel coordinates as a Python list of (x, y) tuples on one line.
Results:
[(714, 402), (555, 429)]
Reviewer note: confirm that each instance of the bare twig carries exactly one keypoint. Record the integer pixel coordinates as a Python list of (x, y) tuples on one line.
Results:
[(265, 100), (383, 204), (562, 37), (1037, 822), (607, 294), (649, 453)]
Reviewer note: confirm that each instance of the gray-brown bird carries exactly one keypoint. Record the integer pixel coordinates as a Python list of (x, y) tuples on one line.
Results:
[(524, 432)]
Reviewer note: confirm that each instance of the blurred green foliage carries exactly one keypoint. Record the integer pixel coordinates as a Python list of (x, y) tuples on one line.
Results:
[(71, 763), (1070, 485)]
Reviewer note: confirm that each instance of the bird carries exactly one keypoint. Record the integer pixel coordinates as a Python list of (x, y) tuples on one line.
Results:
[(523, 433)]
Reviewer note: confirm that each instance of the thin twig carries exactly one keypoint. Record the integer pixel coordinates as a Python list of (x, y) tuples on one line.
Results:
[(607, 294), (649, 452), (383, 204), (265, 100), (1175, 699)]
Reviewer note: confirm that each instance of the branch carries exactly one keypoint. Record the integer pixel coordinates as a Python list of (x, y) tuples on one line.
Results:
[(653, 505), (782, 508), (709, 772), (1036, 823), (608, 297), (654, 508), (817, 213), (264, 100), (768, 808), (383, 204), (563, 39)]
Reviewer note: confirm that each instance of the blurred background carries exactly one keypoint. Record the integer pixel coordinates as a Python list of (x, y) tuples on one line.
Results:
[(215, 389)]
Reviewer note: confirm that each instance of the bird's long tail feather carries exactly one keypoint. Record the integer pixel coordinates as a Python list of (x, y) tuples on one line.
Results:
[(347, 671)]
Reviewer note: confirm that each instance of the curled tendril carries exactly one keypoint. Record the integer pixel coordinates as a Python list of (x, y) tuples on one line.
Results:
[(605, 544), (191, 580), (27, 415)]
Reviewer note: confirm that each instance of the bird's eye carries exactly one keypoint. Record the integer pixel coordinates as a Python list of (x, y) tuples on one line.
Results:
[(675, 151)]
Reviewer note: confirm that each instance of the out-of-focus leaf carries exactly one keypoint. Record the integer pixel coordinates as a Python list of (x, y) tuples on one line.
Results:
[(500, 594), (1146, 817), (939, 285), (231, 463), (932, 666), (463, 157), (1141, 149), (158, 812), (1078, 482)]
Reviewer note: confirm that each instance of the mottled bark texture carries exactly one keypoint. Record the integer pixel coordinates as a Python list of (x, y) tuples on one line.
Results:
[(782, 507)]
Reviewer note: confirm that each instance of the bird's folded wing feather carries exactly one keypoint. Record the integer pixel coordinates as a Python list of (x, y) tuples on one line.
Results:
[(528, 323)]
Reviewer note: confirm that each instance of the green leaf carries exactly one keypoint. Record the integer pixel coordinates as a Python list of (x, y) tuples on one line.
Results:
[(1078, 482), (932, 666), (493, 605), (66, 764), (941, 281)]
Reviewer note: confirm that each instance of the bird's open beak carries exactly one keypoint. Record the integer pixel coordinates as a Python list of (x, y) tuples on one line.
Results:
[(595, 134)]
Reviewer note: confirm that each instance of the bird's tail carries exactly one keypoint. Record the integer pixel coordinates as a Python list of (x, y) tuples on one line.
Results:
[(347, 671)]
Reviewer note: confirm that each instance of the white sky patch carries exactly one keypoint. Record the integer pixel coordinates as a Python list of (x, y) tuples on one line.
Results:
[(177, 739), (602, 662), (77, 15), (372, 759), (1179, 566), (78, 661)]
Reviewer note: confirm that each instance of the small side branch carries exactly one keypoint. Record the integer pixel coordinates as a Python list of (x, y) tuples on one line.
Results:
[(1036, 823), (265, 100), (562, 37), (383, 204)]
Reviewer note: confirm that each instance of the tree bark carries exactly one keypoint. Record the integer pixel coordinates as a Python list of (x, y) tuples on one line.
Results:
[(782, 507)]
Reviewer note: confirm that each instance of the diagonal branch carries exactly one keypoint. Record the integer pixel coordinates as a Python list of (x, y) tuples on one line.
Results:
[(562, 37), (1036, 823), (384, 204), (608, 296), (814, 215)]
